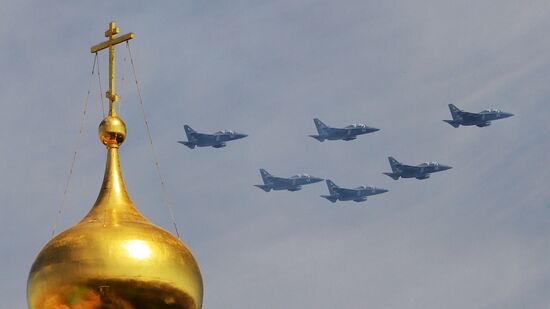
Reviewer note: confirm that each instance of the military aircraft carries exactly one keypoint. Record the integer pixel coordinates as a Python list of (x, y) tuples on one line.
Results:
[(347, 133), (481, 119), (216, 140), (358, 194), (293, 183), (421, 171)]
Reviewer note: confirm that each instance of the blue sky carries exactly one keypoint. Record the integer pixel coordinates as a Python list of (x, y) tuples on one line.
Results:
[(477, 236)]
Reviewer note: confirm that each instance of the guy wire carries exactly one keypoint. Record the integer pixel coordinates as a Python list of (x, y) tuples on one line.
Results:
[(77, 146), (157, 165)]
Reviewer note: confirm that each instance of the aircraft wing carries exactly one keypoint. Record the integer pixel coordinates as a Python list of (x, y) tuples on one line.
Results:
[(201, 135), (470, 115), (409, 168), (281, 180), (337, 130), (345, 191)]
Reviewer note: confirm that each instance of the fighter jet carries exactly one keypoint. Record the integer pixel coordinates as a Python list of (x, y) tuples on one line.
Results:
[(347, 133), (358, 194), (216, 140), (293, 183), (421, 171), (481, 119)]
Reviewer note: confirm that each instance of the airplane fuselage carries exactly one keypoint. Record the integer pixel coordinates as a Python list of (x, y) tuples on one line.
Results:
[(358, 194), (293, 183), (345, 134), (481, 119), (290, 184), (421, 171), (216, 140), (484, 119)]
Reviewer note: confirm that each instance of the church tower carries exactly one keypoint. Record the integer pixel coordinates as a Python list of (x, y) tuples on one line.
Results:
[(114, 257)]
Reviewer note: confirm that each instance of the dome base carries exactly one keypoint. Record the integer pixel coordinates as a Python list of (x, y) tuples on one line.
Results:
[(119, 294)]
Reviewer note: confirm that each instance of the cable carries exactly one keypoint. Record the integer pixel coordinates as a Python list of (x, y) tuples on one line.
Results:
[(81, 131), (101, 94), (157, 165), (122, 80)]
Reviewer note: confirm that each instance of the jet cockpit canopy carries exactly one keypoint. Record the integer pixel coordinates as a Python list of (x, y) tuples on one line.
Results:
[(429, 164), (226, 132), (356, 125)]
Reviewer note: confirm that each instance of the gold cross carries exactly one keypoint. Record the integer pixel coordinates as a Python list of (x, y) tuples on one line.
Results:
[(110, 43)]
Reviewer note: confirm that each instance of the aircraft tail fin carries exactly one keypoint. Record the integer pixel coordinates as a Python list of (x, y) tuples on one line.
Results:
[(321, 127), (265, 175), (264, 187), (455, 112), (454, 123), (188, 144), (331, 187), (330, 198), (392, 175), (318, 137), (189, 132), (394, 164)]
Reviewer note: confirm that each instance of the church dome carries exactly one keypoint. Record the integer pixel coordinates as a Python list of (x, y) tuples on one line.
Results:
[(114, 257)]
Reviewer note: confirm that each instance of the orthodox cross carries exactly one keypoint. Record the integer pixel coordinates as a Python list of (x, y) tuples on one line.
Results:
[(110, 43)]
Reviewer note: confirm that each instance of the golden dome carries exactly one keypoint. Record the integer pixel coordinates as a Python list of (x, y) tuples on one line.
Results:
[(114, 257)]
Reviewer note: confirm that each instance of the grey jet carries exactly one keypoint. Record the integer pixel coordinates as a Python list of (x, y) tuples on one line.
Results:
[(216, 140), (293, 183), (421, 171), (481, 119), (358, 194), (347, 133)]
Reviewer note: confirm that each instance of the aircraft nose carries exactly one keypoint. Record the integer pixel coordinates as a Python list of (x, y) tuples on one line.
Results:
[(240, 135), (445, 167), (380, 190), (506, 115), (373, 129), (316, 179)]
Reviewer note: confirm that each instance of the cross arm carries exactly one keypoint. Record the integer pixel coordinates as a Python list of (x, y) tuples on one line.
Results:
[(112, 42)]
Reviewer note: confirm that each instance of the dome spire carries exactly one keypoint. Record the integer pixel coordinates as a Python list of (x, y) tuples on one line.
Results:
[(113, 200), (112, 130)]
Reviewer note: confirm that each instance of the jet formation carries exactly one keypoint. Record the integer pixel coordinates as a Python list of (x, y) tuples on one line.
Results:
[(421, 171), (358, 194), (481, 119), (347, 133), (293, 183), (216, 140)]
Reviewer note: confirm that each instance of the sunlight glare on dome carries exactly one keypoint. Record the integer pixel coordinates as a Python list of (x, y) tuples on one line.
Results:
[(138, 249)]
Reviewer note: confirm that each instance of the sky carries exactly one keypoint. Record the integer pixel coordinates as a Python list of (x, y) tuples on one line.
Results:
[(476, 236)]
